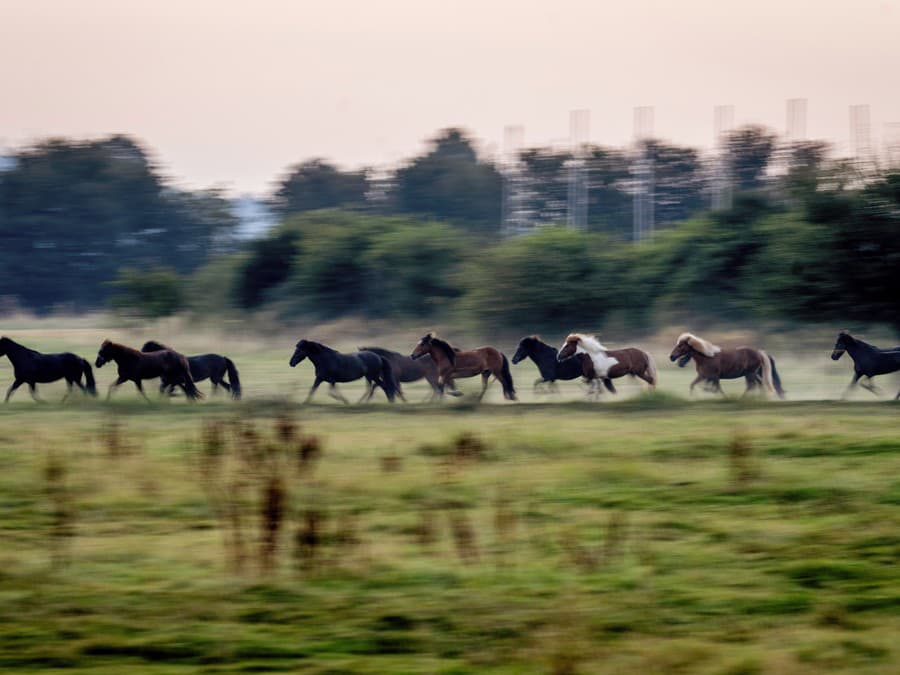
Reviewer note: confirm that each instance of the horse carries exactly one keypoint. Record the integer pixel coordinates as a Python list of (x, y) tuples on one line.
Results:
[(333, 367), (212, 366), (551, 369), (451, 363), (611, 363), (406, 369), (134, 365), (32, 367), (714, 364), (868, 361)]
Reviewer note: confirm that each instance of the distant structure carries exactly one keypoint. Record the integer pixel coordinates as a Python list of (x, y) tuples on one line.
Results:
[(795, 129), (723, 123), (515, 215), (579, 131), (861, 137), (642, 170), (892, 145)]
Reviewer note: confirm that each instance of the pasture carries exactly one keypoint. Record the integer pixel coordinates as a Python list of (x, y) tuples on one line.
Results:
[(644, 534)]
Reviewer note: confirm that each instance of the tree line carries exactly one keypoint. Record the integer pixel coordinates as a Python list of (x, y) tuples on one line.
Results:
[(806, 237)]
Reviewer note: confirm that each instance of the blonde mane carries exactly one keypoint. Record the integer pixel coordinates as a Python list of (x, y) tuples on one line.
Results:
[(703, 346), (588, 344)]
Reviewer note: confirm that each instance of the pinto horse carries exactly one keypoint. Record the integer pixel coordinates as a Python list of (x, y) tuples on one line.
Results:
[(611, 363), (135, 366), (714, 364), (868, 361), (406, 369), (32, 367), (212, 366), (333, 367), (484, 361), (551, 370)]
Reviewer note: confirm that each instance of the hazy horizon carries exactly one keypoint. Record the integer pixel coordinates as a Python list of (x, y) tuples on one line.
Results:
[(232, 96)]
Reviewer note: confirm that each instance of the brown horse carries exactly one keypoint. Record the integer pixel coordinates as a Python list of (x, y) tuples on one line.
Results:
[(484, 361), (135, 365), (611, 363), (715, 364)]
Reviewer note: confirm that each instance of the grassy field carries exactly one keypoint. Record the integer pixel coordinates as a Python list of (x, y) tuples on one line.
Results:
[(647, 534)]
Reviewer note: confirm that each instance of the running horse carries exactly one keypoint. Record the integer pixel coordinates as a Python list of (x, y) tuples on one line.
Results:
[(714, 364), (406, 369), (212, 366), (135, 366), (868, 361), (451, 364), (551, 370), (333, 367), (31, 367), (610, 364)]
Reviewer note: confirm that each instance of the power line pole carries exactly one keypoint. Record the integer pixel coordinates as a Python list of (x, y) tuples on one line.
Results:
[(642, 169), (579, 123), (723, 123)]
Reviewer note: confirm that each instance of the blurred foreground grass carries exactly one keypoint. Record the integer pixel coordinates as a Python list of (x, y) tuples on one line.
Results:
[(651, 535)]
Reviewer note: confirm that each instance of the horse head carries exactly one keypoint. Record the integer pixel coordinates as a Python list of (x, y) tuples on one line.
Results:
[(526, 344), (301, 351), (844, 340), (423, 347), (682, 351), (570, 346), (105, 354), (4, 344)]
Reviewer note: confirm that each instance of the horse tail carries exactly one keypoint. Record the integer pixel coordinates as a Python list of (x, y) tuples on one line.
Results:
[(776, 380), (190, 389), (509, 390), (89, 383), (766, 371), (651, 370), (233, 379), (390, 382)]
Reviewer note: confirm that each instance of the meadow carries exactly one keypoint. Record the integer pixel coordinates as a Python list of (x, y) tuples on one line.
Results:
[(647, 533)]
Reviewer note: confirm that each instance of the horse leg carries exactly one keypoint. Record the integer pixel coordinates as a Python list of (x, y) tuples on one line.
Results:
[(140, 388), (15, 385), (717, 388), (33, 389), (485, 379), (870, 386), (368, 393), (537, 384), (852, 384), (119, 380), (312, 389), (334, 393), (610, 387), (68, 391), (697, 380)]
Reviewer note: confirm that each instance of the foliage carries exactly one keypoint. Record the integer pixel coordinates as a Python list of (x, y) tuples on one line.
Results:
[(153, 293), (750, 149), (72, 213), (318, 184)]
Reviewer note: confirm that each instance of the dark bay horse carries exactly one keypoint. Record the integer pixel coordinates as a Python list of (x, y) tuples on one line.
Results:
[(714, 364), (407, 369), (868, 360), (484, 361), (333, 367), (31, 367), (212, 366), (135, 366), (552, 369), (614, 363)]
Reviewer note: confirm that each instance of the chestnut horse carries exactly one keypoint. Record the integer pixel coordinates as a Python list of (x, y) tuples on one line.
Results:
[(135, 365), (611, 363), (714, 364), (484, 361)]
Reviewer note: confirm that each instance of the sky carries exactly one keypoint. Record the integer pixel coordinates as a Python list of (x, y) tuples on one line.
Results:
[(230, 94)]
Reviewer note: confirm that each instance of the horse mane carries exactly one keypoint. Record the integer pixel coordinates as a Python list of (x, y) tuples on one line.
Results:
[(18, 345), (154, 346), (587, 341), (699, 344), (446, 347)]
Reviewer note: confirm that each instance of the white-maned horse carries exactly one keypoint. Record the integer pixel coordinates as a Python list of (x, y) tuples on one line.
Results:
[(578, 343)]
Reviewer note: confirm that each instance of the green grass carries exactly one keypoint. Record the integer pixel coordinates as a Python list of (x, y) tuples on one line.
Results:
[(643, 534)]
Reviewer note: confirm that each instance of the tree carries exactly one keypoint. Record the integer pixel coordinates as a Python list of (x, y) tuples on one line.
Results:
[(678, 181), (72, 213), (152, 293), (450, 183), (749, 150), (317, 184)]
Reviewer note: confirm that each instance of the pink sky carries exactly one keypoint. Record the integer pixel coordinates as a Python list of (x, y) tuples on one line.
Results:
[(231, 93)]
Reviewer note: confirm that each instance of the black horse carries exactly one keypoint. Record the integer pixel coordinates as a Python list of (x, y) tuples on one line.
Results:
[(333, 367), (32, 367), (544, 357), (868, 360), (212, 366), (406, 369)]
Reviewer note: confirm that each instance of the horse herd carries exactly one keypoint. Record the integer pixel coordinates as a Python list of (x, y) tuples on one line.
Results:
[(439, 363)]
